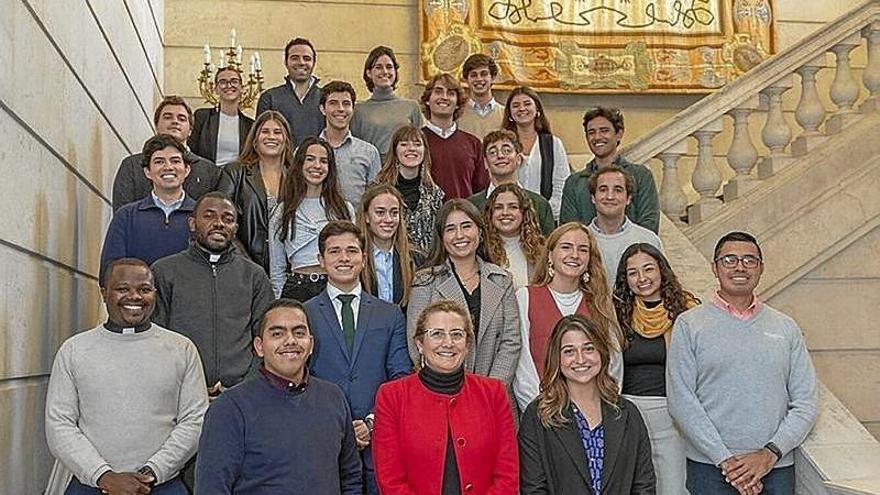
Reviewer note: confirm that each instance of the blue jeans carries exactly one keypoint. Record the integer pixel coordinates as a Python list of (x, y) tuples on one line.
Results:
[(171, 487), (706, 479)]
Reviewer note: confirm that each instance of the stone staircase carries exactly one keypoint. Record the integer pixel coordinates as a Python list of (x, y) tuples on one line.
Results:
[(811, 194)]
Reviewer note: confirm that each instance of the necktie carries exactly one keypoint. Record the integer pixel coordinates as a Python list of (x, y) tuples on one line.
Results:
[(347, 319)]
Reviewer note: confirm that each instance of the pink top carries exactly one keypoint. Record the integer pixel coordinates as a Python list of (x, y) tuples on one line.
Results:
[(743, 315)]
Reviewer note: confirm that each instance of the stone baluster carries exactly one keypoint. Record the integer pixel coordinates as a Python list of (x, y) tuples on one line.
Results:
[(871, 74), (672, 199), (742, 154), (776, 134), (844, 88), (809, 113), (706, 177)]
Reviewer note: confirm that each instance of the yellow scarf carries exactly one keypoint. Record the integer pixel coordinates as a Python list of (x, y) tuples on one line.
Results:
[(653, 322)]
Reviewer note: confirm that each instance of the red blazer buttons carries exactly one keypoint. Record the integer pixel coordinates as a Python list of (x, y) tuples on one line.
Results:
[(469, 487), (452, 402), (461, 442)]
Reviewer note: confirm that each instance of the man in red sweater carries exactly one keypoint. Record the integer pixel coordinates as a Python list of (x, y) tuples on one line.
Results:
[(456, 156)]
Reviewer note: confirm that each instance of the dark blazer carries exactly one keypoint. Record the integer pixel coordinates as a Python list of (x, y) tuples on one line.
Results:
[(553, 461), (243, 185), (203, 140), (130, 183), (379, 351)]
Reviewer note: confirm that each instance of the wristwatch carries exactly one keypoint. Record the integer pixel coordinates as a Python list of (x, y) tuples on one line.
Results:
[(369, 421), (773, 448)]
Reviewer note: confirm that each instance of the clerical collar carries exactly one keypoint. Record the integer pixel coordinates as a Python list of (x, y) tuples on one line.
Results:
[(113, 327)]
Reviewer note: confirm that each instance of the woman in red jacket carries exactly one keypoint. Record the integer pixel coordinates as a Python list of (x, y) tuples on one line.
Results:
[(444, 431)]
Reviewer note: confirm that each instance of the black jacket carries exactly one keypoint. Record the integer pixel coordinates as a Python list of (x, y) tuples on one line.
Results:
[(553, 461), (243, 185), (132, 185), (203, 140), (218, 306)]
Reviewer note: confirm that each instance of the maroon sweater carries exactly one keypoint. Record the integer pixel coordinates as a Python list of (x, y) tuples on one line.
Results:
[(457, 163)]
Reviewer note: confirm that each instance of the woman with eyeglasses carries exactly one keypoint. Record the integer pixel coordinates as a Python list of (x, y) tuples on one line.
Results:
[(408, 168), (444, 430), (253, 182), (455, 269), (390, 262), (513, 237), (310, 199), (376, 118), (579, 435), (570, 280), (219, 132), (545, 167), (648, 298)]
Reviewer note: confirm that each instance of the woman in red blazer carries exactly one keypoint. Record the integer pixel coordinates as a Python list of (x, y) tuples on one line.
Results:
[(444, 431)]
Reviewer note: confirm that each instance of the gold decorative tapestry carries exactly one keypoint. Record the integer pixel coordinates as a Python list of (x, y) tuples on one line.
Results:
[(610, 46)]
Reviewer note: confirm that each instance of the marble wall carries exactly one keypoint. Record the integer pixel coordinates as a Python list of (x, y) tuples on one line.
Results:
[(77, 95)]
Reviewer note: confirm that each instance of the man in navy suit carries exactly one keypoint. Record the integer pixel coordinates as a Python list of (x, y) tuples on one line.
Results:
[(360, 340)]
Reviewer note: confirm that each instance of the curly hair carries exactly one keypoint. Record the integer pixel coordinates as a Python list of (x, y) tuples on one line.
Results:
[(554, 398), (596, 289), (293, 188), (675, 298), (530, 238), (448, 82)]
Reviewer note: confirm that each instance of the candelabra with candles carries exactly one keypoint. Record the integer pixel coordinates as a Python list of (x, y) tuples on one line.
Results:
[(231, 59)]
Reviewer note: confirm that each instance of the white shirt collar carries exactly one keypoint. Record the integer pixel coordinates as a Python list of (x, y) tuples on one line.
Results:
[(347, 138), (483, 109), (492, 187), (333, 291), (443, 133)]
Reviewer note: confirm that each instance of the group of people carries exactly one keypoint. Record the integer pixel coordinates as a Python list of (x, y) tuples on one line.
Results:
[(337, 297)]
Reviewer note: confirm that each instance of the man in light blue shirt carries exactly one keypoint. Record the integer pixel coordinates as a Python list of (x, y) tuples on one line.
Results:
[(356, 160)]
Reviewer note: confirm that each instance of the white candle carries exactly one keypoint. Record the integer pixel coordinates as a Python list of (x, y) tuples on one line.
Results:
[(253, 64), (232, 37), (207, 52), (238, 52), (259, 63), (222, 60)]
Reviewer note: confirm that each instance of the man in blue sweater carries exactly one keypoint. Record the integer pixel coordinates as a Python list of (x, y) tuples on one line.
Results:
[(283, 431), (740, 382), (156, 225)]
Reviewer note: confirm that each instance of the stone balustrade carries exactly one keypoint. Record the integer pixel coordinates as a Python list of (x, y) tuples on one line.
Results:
[(758, 97)]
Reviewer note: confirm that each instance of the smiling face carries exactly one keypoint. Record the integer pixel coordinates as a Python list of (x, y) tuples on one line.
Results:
[(410, 154), (643, 276), (129, 295), (382, 73), (443, 101), (461, 235), (444, 342), (300, 63), (338, 109), (503, 161), (602, 138), (167, 170), (213, 224), (523, 109), (479, 81), (228, 85), (506, 214), (343, 260), (611, 197), (383, 216), (316, 165), (571, 255), (285, 342), (738, 281), (579, 360), (270, 139), (174, 121)]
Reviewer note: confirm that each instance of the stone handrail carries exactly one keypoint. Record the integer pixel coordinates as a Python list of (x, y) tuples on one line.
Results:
[(761, 90)]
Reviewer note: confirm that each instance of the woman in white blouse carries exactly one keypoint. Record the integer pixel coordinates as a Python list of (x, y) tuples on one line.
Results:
[(513, 238), (571, 280), (545, 166), (310, 198)]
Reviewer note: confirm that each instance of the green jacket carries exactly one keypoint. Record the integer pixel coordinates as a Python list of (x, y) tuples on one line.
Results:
[(644, 209), (541, 205)]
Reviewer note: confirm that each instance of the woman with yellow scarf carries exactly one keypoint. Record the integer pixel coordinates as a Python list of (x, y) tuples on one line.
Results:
[(648, 298)]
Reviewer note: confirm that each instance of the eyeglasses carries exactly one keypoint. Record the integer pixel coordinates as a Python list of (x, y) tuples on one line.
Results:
[(731, 260), (502, 151), (456, 335), (225, 83)]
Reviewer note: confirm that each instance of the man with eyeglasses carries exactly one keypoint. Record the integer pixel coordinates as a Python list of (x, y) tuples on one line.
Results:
[(741, 384), (219, 132), (360, 340), (502, 156), (283, 431)]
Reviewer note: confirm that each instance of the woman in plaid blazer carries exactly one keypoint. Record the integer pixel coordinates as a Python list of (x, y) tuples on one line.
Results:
[(456, 270)]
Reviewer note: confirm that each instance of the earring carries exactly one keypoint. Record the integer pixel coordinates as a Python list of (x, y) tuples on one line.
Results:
[(422, 361), (550, 270), (586, 277)]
